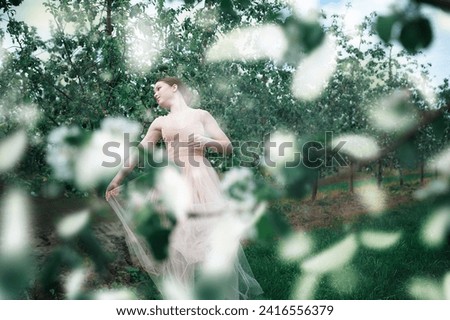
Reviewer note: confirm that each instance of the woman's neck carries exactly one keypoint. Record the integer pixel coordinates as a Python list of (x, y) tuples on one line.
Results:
[(178, 105)]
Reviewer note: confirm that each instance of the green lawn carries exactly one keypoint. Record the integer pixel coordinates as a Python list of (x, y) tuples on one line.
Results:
[(371, 274)]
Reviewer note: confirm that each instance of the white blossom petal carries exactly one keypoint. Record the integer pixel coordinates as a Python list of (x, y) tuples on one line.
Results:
[(436, 227), (441, 163), (15, 229), (117, 294), (73, 224), (393, 113), (93, 165), (172, 185), (314, 72), (435, 187), (380, 240), (357, 146), (12, 149), (372, 198), (74, 282), (250, 43), (332, 258), (225, 241), (425, 289), (345, 280), (446, 286), (305, 287), (295, 246)]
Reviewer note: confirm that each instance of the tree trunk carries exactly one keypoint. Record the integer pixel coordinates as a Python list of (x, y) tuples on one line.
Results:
[(109, 27), (350, 181), (400, 175), (422, 172), (380, 173), (315, 186)]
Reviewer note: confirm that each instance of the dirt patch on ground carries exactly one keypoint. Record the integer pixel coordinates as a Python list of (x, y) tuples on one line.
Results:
[(335, 207)]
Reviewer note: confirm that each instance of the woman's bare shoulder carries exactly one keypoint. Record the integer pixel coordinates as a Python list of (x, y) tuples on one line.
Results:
[(158, 121), (202, 113)]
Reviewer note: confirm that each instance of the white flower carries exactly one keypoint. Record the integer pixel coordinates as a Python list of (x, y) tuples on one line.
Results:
[(332, 258), (435, 187), (73, 224), (379, 240), (372, 197), (114, 294), (314, 72), (306, 286), (12, 149), (15, 224), (425, 289), (92, 164), (441, 163), (60, 155), (250, 43), (172, 185), (357, 146), (225, 240), (296, 246), (436, 227), (119, 126), (393, 113), (74, 282)]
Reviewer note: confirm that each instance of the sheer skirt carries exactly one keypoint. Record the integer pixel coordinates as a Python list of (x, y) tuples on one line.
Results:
[(189, 246)]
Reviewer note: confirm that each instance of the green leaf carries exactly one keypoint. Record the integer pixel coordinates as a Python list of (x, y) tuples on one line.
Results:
[(272, 225), (384, 26), (416, 34), (311, 36)]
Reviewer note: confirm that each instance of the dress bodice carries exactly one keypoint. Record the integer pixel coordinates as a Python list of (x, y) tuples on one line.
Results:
[(178, 130)]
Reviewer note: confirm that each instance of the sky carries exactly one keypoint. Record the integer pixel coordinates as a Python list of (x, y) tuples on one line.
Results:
[(33, 13)]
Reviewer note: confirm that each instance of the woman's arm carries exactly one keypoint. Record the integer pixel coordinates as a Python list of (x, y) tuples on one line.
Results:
[(216, 138), (151, 138)]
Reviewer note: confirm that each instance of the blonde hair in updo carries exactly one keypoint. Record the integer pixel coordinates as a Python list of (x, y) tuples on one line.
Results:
[(184, 90)]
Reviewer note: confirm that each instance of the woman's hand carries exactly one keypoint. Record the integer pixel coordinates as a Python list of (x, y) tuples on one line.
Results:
[(198, 141), (111, 190)]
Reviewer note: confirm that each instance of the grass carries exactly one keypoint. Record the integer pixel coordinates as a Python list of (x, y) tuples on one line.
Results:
[(343, 185), (372, 274)]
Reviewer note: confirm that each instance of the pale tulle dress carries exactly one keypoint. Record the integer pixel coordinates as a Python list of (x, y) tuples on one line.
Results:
[(189, 243)]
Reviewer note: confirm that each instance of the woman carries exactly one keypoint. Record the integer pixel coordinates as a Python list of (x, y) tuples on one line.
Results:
[(186, 133)]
